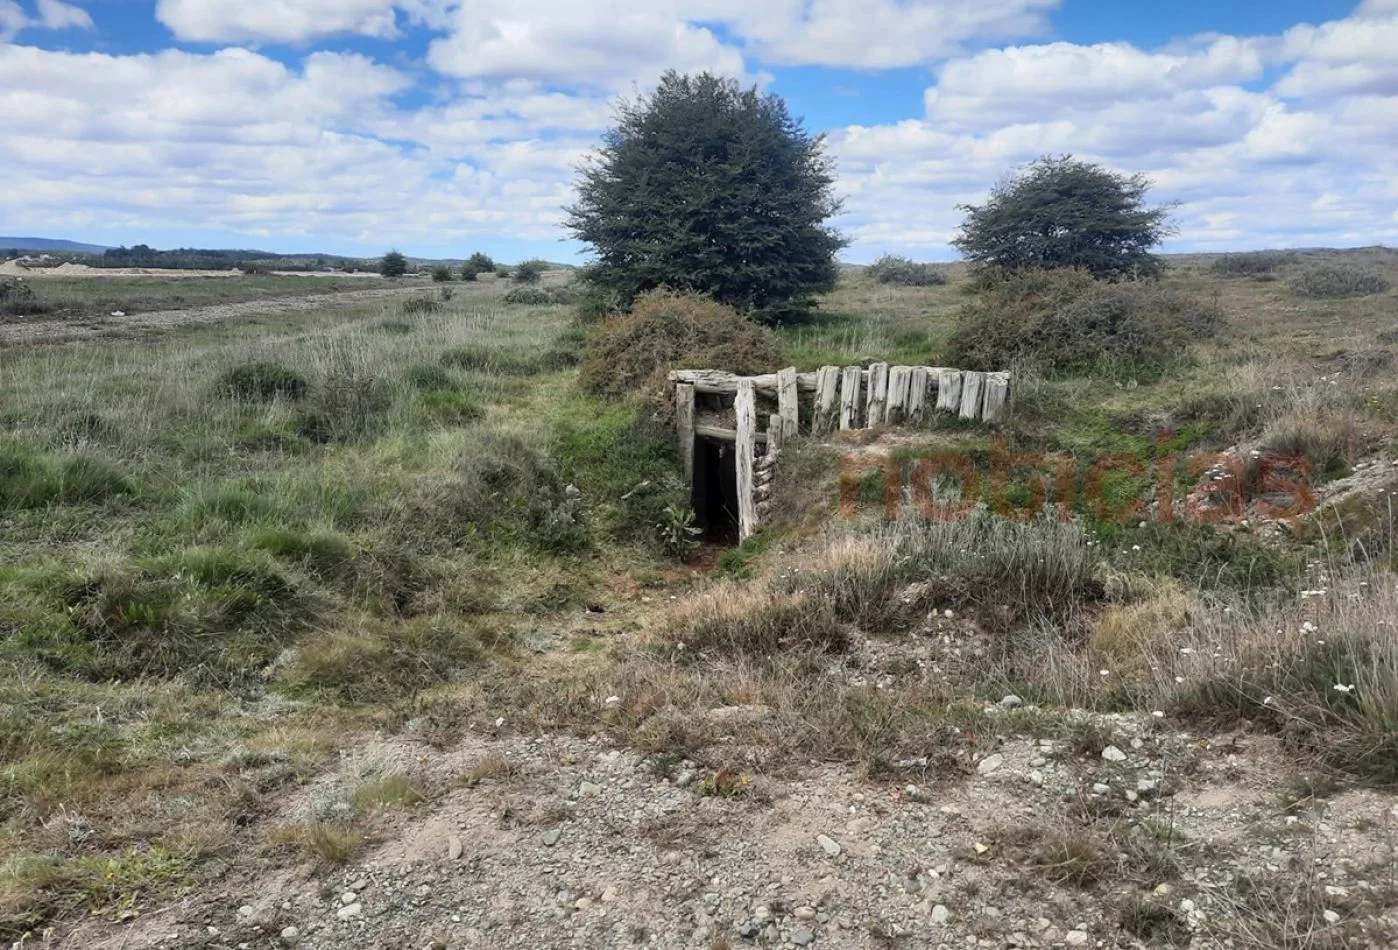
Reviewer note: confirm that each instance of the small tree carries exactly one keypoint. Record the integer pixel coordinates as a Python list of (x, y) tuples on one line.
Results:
[(477, 264), (393, 264), (1060, 212), (708, 187), (441, 273), (529, 272)]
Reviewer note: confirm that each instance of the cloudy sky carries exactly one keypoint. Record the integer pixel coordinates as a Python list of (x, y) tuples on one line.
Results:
[(443, 127)]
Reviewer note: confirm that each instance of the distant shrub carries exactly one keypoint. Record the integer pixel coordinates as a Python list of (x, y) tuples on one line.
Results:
[(393, 264), (1335, 282), (1065, 321), (1251, 264), (417, 306), (17, 299), (669, 330), (477, 263), (905, 272), (530, 271), (441, 274), (262, 381), (502, 272), (532, 296)]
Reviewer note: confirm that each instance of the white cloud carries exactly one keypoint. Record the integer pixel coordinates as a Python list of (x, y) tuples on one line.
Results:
[(52, 15), (276, 21)]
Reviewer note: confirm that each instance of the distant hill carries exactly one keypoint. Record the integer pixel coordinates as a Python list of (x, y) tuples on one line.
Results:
[(48, 244)]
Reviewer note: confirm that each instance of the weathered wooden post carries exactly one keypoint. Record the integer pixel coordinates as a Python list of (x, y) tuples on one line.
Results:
[(850, 379), (972, 389), (684, 422), (997, 397), (949, 390), (897, 408), (745, 405), (788, 407), (827, 389), (775, 434), (917, 393), (877, 395)]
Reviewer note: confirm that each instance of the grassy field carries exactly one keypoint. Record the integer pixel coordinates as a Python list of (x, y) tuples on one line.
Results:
[(96, 296), (226, 553)]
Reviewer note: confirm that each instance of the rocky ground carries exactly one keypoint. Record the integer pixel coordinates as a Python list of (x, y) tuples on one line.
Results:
[(1162, 837)]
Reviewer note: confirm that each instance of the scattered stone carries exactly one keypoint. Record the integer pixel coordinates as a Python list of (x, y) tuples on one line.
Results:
[(1011, 701), (609, 894), (805, 913), (1112, 754), (348, 897), (589, 790), (290, 933), (940, 914), (803, 937), (1100, 788), (1331, 917), (990, 763), (551, 836), (1076, 938), (454, 848), (828, 845), (349, 911)]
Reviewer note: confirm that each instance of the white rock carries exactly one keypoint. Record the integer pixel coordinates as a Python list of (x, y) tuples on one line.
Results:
[(1112, 754), (454, 848), (1011, 701), (1331, 917), (940, 914), (349, 911), (348, 897), (828, 845), (805, 913), (990, 763), (1075, 938)]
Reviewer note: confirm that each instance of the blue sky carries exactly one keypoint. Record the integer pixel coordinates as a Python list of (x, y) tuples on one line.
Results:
[(350, 125)]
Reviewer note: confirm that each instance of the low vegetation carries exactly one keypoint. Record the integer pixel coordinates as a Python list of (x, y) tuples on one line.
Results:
[(1326, 283), (906, 272)]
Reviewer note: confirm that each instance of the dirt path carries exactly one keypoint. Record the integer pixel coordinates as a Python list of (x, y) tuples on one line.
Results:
[(47, 331)]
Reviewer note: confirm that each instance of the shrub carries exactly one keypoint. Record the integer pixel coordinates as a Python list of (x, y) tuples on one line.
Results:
[(668, 330), (502, 272), (393, 264), (530, 271), (17, 299), (905, 272), (1334, 282), (477, 263), (736, 620), (1065, 321), (531, 296), (262, 382), (417, 306), (441, 274), (1251, 264)]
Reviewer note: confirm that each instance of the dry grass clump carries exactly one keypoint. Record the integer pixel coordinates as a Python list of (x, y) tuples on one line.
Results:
[(733, 619), (1067, 322), (1333, 282), (668, 330)]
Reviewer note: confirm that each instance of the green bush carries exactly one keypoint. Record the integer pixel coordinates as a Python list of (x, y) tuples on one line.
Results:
[(441, 274), (17, 299), (1326, 283), (668, 330), (1065, 321), (530, 271), (1252, 263), (502, 272), (262, 382), (906, 272), (531, 296), (477, 263)]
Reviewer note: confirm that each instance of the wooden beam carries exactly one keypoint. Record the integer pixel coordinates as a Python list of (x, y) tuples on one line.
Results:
[(996, 405), (684, 424), (788, 406), (949, 390), (827, 390), (877, 396), (850, 378), (745, 403), (725, 435), (972, 391), (917, 393), (776, 433), (897, 407)]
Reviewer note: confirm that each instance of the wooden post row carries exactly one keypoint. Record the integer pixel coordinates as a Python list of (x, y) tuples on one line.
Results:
[(745, 404), (684, 423)]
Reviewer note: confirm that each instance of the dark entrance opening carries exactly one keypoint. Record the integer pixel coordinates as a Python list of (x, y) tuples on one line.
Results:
[(715, 493)]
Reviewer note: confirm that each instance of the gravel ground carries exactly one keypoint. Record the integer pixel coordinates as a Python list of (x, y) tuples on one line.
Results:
[(572, 843)]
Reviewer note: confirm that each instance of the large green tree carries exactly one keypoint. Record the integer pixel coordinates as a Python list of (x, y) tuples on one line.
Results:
[(1061, 212), (706, 186), (393, 264)]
